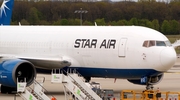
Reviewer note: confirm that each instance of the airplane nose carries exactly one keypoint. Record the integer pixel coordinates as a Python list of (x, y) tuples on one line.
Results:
[(168, 58)]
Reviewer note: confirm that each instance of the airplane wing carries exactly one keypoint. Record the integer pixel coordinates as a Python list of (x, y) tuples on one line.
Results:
[(176, 43), (44, 63)]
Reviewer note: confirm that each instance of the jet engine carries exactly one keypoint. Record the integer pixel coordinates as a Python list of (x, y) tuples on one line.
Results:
[(12, 69)]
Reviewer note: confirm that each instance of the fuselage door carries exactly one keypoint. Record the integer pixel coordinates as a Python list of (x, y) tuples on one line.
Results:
[(122, 47)]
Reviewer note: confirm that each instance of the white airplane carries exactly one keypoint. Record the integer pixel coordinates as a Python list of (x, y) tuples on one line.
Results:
[(139, 54), (136, 53)]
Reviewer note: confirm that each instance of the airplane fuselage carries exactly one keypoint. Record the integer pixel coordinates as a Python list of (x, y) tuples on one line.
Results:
[(96, 51)]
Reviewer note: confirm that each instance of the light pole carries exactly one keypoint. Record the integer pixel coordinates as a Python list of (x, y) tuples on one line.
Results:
[(81, 12)]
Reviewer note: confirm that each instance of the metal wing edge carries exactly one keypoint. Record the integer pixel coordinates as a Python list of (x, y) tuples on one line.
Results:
[(44, 63)]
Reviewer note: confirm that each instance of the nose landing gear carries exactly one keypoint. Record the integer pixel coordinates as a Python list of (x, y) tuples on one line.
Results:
[(149, 87)]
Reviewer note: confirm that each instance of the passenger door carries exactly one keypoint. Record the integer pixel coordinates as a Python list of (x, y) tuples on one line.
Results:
[(122, 47)]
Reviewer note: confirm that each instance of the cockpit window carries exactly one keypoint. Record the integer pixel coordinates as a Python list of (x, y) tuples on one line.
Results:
[(160, 43), (146, 44), (150, 43)]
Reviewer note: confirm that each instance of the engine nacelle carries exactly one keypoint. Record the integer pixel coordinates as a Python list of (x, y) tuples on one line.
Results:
[(151, 80), (12, 69)]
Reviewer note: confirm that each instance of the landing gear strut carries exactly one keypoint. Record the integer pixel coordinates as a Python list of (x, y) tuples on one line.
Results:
[(149, 87)]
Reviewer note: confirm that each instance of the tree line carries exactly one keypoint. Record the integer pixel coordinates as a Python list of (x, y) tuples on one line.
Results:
[(162, 16)]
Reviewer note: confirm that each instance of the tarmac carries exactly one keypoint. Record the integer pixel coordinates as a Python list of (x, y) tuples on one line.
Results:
[(170, 82)]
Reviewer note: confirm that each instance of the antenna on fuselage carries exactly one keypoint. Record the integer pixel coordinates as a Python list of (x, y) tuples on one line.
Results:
[(19, 23), (95, 23)]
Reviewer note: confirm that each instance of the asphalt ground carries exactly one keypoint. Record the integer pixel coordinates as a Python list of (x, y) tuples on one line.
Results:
[(170, 82)]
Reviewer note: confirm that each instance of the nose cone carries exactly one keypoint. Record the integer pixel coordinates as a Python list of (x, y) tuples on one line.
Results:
[(168, 58)]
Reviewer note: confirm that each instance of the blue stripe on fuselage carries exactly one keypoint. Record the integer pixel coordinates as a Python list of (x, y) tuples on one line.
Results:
[(116, 73), (110, 73)]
